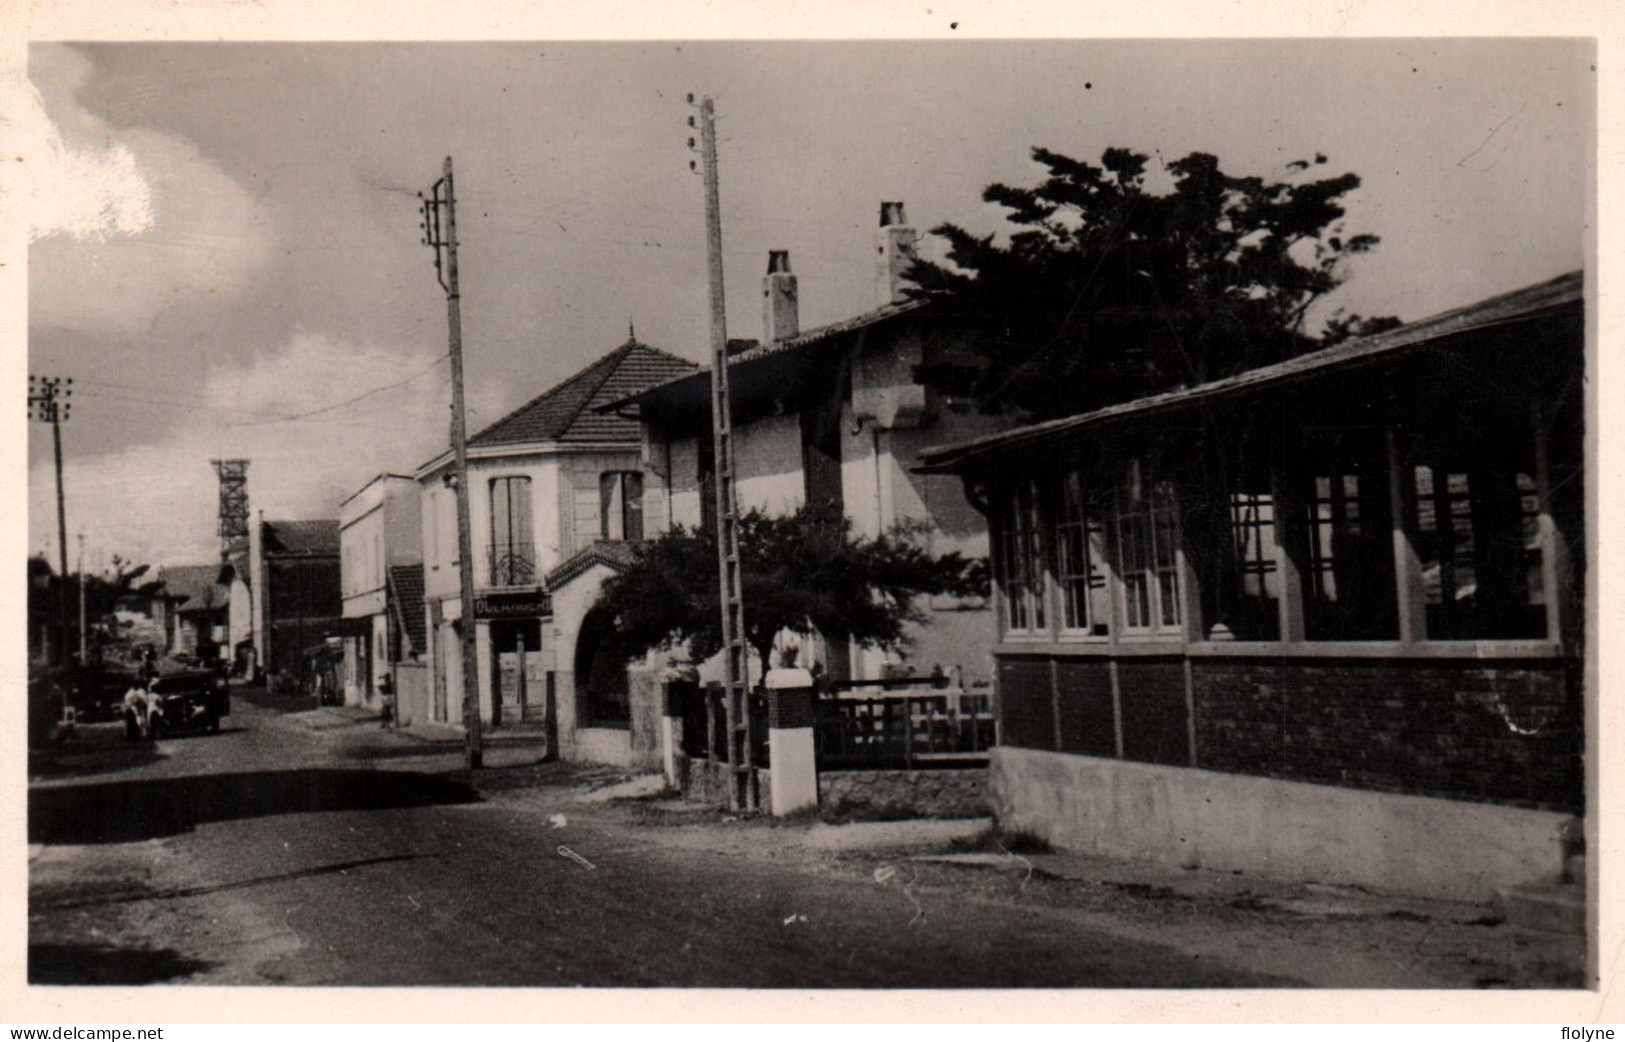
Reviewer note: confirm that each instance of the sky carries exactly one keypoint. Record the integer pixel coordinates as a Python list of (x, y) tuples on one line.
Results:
[(224, 244)]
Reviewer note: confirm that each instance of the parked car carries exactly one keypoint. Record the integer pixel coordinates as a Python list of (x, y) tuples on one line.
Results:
[(97, 692), (175, 702)]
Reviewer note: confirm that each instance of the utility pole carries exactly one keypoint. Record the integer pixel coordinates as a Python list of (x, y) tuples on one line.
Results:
[(444, 244), (735, 649), (47, 402), (82, 655)]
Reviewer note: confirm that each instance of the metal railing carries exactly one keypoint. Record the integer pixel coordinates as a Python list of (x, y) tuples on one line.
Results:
[(513, 564)]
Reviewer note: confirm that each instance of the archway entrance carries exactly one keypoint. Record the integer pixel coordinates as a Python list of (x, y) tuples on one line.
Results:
[(600, 670)]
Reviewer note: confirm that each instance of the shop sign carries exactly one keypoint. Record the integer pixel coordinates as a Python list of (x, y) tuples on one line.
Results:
[(527, 604)]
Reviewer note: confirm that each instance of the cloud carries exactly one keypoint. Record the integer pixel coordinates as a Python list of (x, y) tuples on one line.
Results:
[(158, 503), (124, 222)]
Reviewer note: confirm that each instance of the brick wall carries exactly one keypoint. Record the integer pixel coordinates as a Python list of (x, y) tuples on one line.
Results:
[(1155, 718), (1504, 732), (1085, 689), (1026, 711)]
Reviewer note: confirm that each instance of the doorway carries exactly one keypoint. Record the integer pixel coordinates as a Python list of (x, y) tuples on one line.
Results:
[(513, 642)]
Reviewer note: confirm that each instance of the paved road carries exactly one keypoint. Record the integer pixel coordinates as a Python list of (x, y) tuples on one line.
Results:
[(304, 849)]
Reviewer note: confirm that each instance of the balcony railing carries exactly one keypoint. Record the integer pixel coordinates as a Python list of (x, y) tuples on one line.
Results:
[(513, 564)]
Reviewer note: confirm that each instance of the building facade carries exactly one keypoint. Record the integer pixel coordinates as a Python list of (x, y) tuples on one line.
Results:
[(292, 593), (380, 538), (198, 612), (1323, 618), (837, 416), (554, 488)]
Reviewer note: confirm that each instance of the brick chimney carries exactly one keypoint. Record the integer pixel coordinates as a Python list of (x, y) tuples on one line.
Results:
[(894, 248), (781, 316)]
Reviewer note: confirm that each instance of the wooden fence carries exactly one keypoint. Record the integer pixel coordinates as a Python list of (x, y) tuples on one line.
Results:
[(885, 725)]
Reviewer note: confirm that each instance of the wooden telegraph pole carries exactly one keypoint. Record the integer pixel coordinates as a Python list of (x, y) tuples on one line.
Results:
[(441, 197), (734, 647), (48, 395), (83, 643)]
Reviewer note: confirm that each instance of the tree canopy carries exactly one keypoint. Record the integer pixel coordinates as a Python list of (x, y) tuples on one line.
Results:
[(806, 572), (102, 592), (1109, 290)]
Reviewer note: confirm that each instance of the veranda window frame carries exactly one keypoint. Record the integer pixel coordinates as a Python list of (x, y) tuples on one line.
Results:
[(1097, 571), (1022, 547), (1154, 503)]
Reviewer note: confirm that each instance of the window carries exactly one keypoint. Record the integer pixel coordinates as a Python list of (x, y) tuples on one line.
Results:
[(1022, 561), (513, 554), (1080, 544), (705, 477), (1249, 594), (431, 531), (1147, 555), (620, 501), (1481, 552), (1347, 539)]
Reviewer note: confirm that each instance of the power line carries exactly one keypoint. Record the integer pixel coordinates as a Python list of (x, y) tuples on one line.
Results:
[(117, 392), (340, 405)]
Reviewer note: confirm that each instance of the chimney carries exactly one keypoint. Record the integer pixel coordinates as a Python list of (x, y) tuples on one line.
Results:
[(781, 317), (894, 246)]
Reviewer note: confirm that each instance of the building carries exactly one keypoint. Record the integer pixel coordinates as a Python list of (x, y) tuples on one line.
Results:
[(291, 591), (380, 563), (1324, 618), (198, 609), (837, 415), (555, 491)]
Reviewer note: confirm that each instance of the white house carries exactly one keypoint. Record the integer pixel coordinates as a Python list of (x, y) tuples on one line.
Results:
[(556, 490), (838, 415), (380, 538)]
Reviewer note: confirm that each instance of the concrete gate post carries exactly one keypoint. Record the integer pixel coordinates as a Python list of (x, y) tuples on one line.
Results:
[(791, 708)]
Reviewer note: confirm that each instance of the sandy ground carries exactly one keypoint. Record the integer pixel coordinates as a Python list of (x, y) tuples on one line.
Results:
[(311, 847)]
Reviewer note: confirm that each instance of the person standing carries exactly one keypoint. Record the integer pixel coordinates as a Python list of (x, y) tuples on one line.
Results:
[(386, 698)]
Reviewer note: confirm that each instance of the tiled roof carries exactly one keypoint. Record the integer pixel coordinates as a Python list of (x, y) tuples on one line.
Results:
[(406, 589), (607, 552), (755, 351), (1542, 299), (568, 412), (194, 586), (302, 537)]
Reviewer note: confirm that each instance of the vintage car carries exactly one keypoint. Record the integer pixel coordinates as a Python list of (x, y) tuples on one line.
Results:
[(175, 702), (97, 692)]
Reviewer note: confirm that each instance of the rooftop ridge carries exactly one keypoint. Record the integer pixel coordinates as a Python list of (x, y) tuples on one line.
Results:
[(614, 356), (555, 413)]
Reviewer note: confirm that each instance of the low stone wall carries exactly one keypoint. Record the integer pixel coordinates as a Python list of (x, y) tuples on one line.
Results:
[(1292, 830), (904, 794)]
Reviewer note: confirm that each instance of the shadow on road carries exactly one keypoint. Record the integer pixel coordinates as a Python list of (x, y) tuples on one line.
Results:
[(128, 811), (78, 757), (99, 964), (422, 748)]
